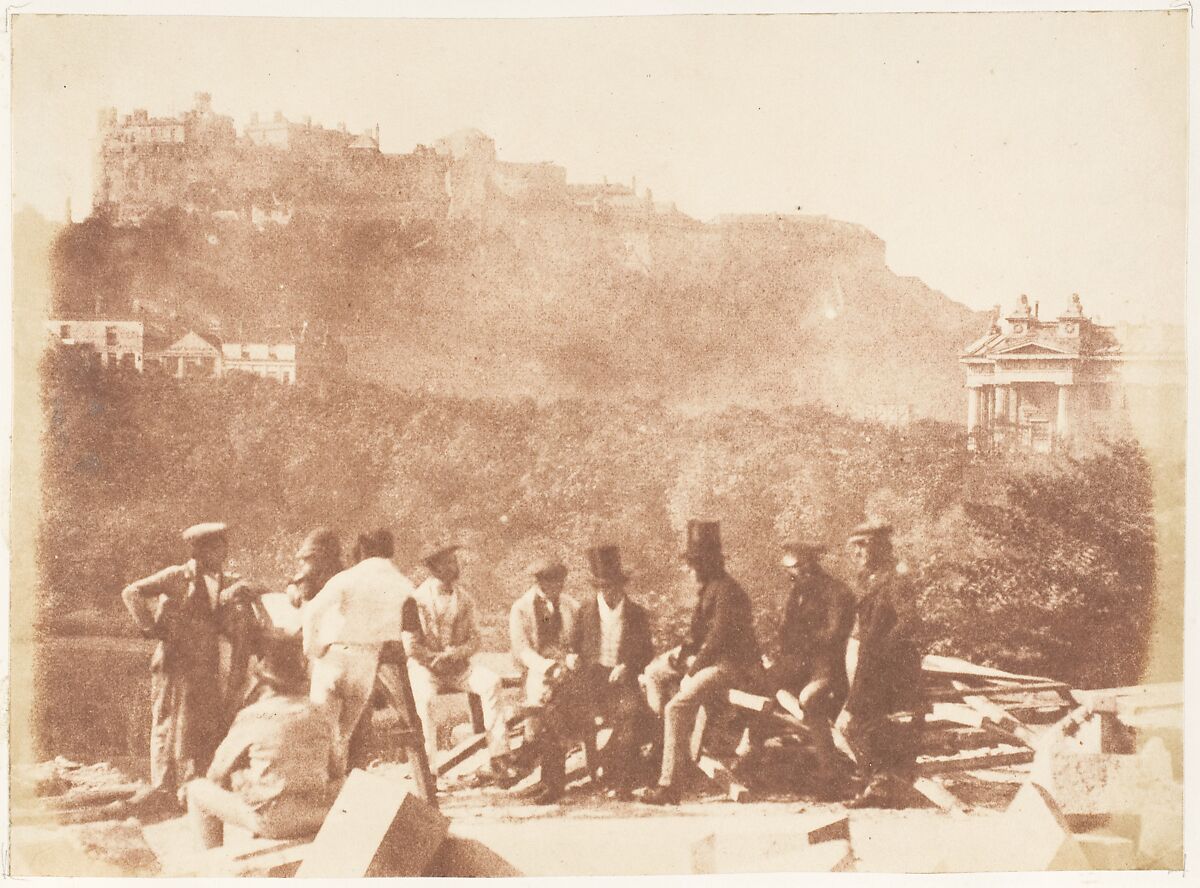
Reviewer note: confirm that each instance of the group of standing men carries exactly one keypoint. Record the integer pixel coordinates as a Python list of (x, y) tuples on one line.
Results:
[(267, 747)]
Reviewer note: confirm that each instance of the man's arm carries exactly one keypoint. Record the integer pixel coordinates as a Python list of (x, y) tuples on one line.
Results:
[(469, 645), (519, 643), (642, 646), (138, 595), (720, 628), (232, 751), (413, 634)]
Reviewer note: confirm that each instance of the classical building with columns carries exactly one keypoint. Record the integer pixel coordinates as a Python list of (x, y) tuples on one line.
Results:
[(1041, 386)]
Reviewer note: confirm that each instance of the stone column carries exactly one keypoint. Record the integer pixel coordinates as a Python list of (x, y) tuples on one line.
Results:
[(1062, 427), (1014, 405), (972, 416), (1002, 404)]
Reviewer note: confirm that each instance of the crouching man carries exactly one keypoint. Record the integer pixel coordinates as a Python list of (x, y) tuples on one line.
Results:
[(274, 774)]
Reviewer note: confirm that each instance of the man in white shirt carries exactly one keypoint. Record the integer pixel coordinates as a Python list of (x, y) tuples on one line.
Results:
[(541, 629), (439, 645), (345, 628)]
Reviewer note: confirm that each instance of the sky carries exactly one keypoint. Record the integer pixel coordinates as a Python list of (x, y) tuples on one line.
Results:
[(995, 154)]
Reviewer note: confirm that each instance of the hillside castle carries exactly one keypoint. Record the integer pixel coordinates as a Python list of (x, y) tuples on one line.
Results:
[(197, 162)]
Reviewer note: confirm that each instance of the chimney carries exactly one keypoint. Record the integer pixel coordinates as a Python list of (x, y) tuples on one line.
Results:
[(1035, 308), (376, 133)]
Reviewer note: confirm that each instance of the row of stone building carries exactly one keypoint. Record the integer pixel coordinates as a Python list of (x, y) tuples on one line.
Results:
[(128, 345)]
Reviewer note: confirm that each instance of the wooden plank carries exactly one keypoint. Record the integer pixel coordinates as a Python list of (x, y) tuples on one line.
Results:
[(470, 746), (996, 714), (746, 700), (938, 765), (937, 793), (716, 771), (937, 664)]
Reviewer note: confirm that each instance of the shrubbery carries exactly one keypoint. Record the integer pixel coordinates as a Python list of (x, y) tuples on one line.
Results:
[(1038, 564)]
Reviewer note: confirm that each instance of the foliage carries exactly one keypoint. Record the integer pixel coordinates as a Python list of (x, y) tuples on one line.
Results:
[(1042, 564)]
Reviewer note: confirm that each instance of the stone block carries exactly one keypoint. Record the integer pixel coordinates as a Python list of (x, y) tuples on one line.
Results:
[(1108, 852), (468, 858), (376, 827), (770, 853)]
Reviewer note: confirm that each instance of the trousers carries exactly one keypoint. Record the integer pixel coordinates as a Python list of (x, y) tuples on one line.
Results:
[(210, 807), (477, 680), (679, 707), (342, 682)]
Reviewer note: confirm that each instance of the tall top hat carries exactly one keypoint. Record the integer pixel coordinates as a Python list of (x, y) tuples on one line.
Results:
[(605, 564), (703, 540)]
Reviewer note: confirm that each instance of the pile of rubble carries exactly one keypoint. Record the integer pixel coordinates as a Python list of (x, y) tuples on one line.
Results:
[(1015, 772)]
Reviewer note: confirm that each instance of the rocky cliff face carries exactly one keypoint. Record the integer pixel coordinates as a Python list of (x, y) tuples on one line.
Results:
[(559, 301)]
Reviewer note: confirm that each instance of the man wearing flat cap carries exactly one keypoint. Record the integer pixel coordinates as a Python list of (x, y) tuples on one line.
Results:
[(720, 650), (885, 705), (614, 646), (440, 643), (808, 670), (541, 629), (191, 608)]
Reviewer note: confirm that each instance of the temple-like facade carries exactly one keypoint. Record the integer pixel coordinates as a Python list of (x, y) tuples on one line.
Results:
[(1043, 385)]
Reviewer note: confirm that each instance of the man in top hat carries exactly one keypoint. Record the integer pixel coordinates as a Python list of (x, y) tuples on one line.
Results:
[(345, 628), (810, 662), (275, 773), (719, 651), (440, 643), (190, 608), (541, 628), (614, 647), (887, 672)]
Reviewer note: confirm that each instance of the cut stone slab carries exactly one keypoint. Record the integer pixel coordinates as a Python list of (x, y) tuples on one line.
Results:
[(376, 827), (468, 858), (1108, 852), (777, 853)]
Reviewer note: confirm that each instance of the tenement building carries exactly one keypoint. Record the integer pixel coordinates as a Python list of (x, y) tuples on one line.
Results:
[(1043, 385)]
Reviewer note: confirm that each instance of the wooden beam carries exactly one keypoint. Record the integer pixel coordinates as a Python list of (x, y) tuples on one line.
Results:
[(937, 793), (968, 762), (746, 700), (996, 714), (716, 771)]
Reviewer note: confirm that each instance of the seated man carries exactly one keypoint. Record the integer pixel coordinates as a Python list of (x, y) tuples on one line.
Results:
[(614, 646), (720, 651), (810, 664), (440, 637), (274, 773), (541, 629)]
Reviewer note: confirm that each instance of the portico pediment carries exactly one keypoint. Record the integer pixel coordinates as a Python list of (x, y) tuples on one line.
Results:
[(1032, 350)]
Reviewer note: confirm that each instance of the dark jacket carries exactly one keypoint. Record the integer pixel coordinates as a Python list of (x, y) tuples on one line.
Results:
[(636, 649), (722, 629), (888, 675), (812, 638)]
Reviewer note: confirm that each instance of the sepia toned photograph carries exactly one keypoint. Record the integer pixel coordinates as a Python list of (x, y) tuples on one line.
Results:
[(597, 445)]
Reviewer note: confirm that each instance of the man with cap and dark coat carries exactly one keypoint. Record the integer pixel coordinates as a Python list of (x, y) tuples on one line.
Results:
[(809, 664), (719, 651), (190, 608), (439, 642), (885, 706), (319, 557), (541, 628), (614, 646), (275, 773)]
